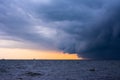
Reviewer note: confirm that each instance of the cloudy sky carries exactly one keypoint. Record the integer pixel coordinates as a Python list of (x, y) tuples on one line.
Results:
[(68, 28)]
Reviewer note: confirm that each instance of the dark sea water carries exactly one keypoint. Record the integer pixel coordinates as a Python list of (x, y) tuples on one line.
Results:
[(59, 70)]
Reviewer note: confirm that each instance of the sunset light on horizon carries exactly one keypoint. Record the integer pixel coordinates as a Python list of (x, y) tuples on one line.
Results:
[(36, 54)]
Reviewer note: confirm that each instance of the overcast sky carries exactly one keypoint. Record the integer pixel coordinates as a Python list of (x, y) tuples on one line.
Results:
[(90, 28)]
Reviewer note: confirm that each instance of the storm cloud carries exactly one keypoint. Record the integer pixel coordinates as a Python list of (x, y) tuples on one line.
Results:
[(89, 28)]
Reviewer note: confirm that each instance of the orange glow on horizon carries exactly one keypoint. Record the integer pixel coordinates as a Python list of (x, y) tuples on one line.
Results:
[(6, 53)]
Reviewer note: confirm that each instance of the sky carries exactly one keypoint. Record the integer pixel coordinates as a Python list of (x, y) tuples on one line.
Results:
[(60, 29)]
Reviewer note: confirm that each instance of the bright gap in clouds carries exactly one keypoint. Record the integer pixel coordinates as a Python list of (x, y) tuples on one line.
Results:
[(10, 49), (6, 53)]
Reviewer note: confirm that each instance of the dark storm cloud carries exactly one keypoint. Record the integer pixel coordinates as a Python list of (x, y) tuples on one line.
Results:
[(61, 10), (16, 23), (89, 28)]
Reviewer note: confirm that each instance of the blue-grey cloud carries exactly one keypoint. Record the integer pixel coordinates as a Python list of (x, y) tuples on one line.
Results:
[(88, 28)]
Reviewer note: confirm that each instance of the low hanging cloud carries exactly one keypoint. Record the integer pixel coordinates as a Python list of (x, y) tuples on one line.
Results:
[(89, 28)]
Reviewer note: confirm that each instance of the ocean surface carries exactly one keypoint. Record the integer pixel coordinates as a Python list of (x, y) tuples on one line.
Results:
[(59, 70)]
